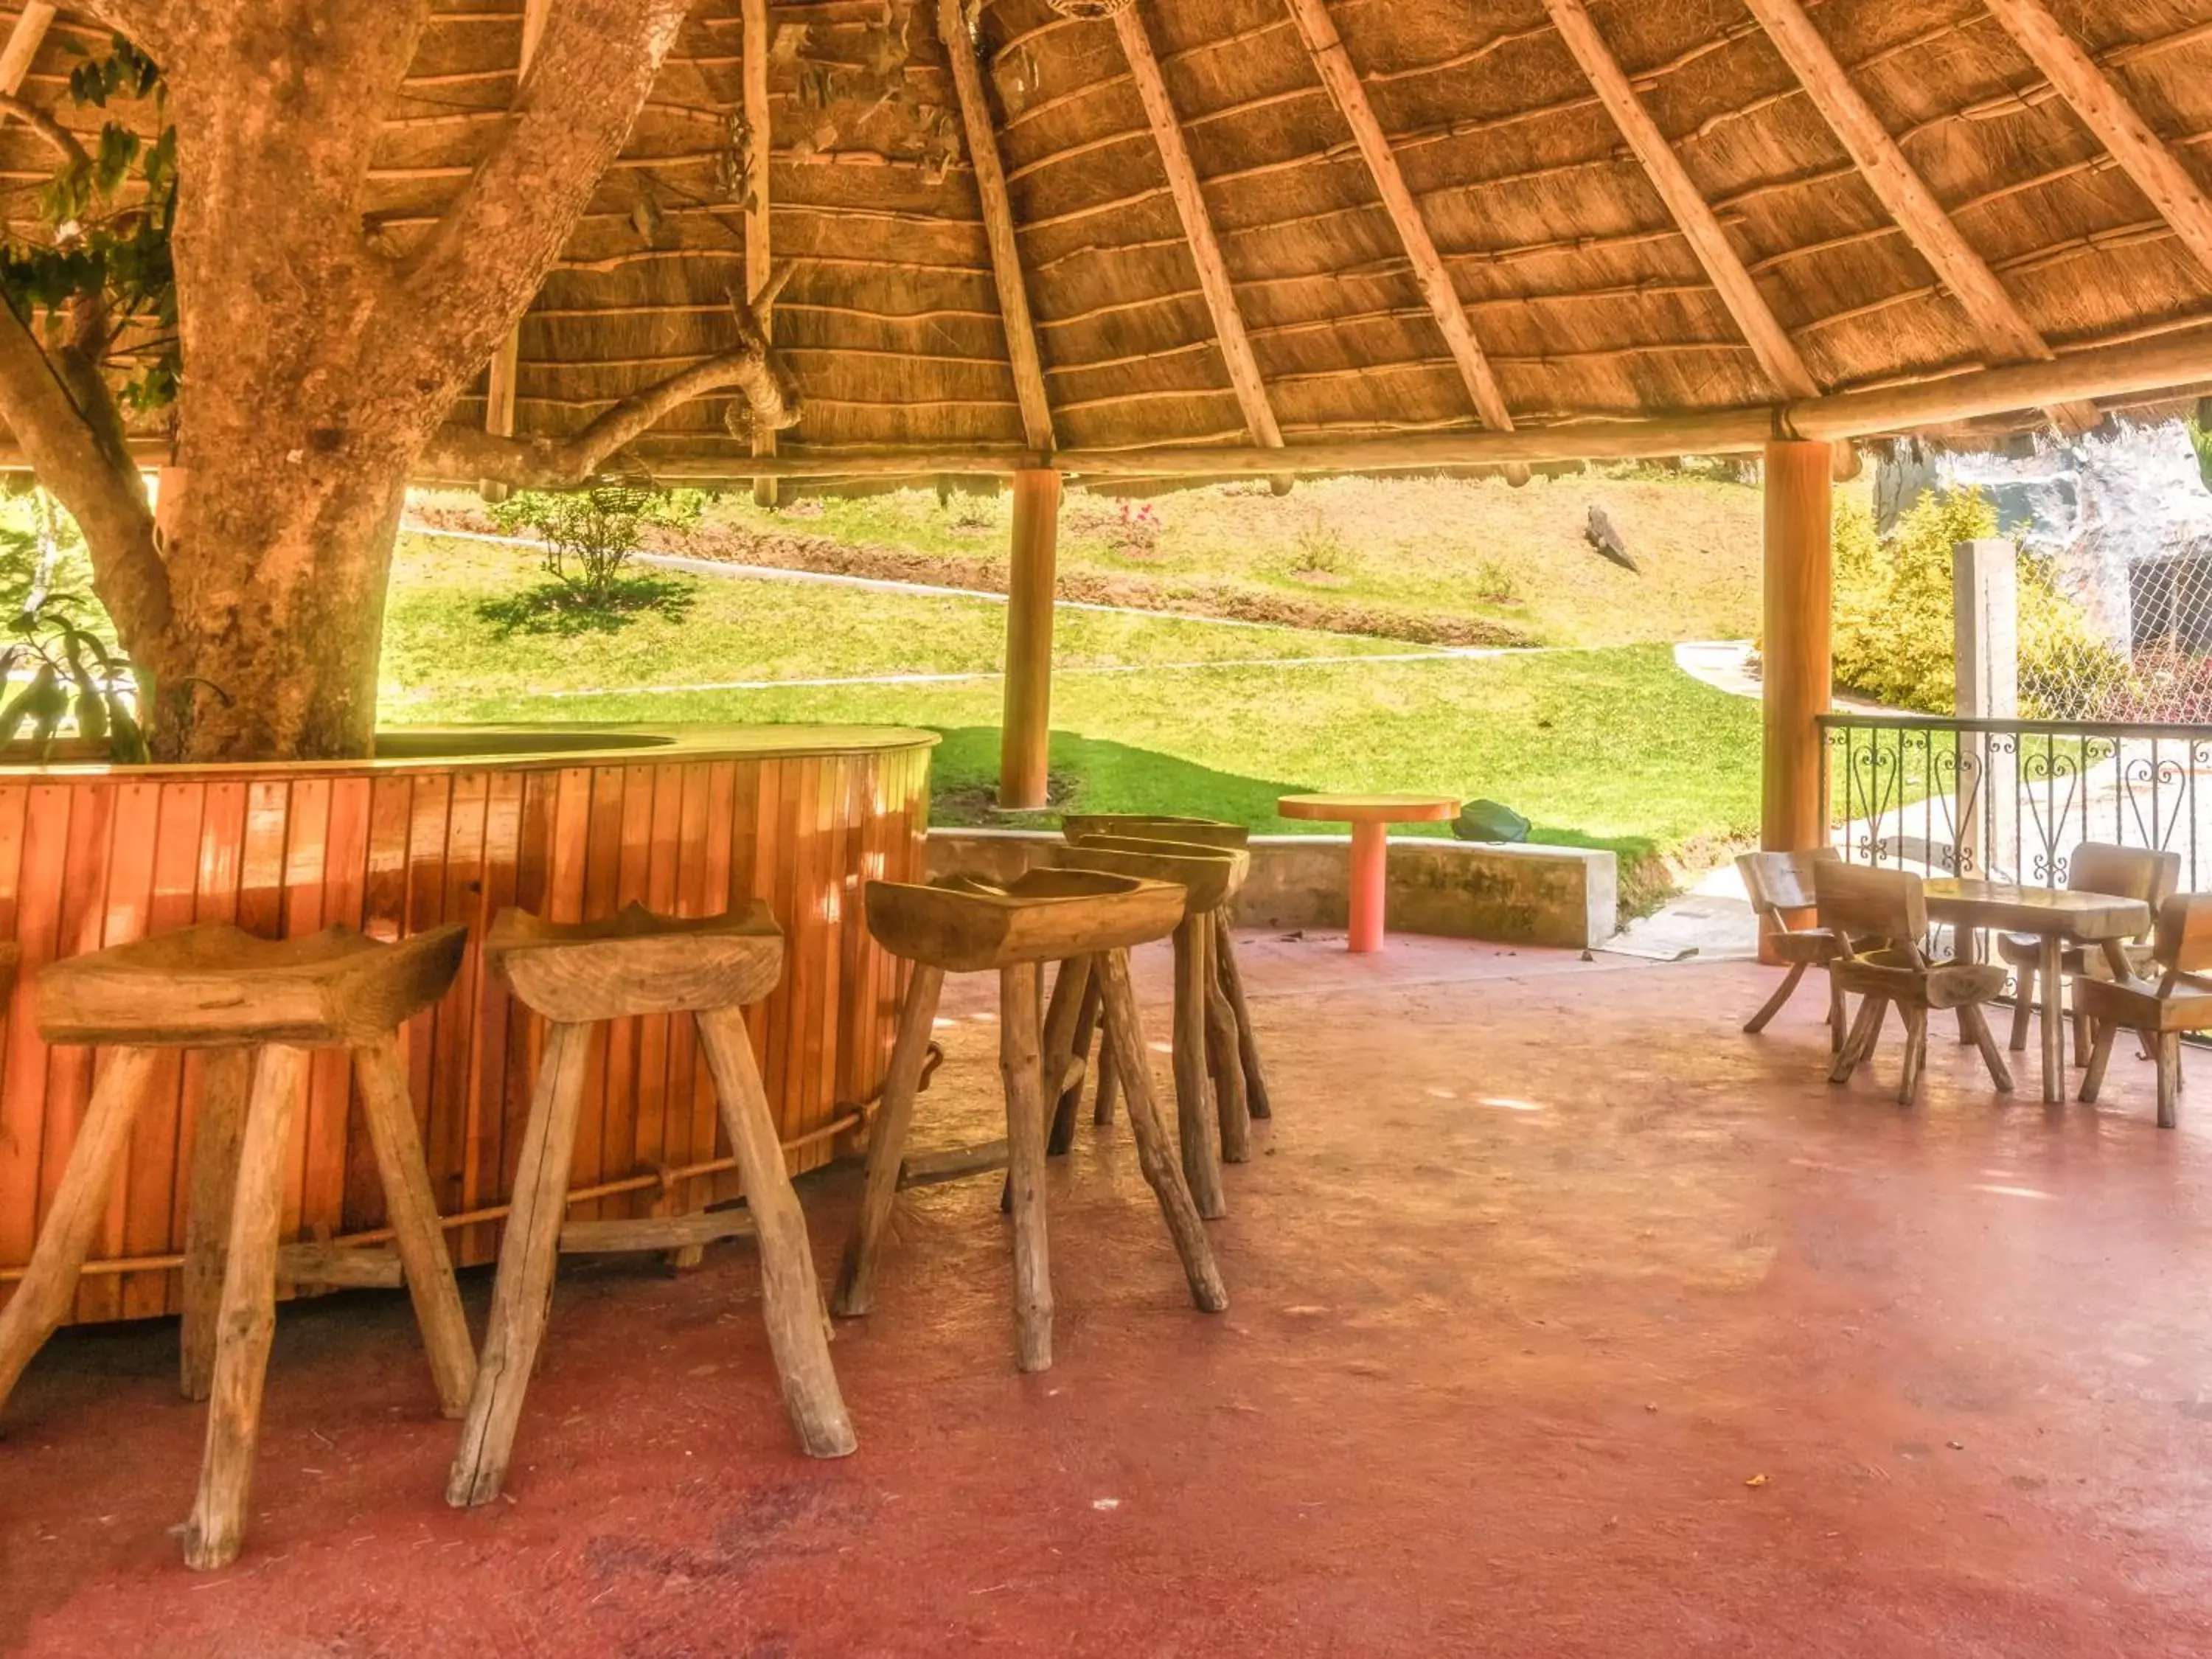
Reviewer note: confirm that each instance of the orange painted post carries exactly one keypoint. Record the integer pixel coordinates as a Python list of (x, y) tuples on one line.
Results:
[(1025, 735), (1796, 662)]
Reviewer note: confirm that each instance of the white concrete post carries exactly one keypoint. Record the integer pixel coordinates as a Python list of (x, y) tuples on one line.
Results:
[(1985, 634)]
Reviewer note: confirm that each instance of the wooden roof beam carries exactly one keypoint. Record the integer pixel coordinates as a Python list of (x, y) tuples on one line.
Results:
[(752, 68), (1334, 65), (1022, 353), (2005, 332), (501, 380), (1770, 342), (23, 43), (1198, 227), (2104, 110)]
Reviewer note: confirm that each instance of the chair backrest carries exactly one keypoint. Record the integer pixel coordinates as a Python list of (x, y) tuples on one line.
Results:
[(1780, 882), (2184, 940), (1860, 902), (2134, 873)]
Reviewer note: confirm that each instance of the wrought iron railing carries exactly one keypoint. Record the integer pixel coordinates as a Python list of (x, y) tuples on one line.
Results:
[(2010, 799)]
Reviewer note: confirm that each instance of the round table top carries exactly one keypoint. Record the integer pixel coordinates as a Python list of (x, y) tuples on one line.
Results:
[(1369, 808)]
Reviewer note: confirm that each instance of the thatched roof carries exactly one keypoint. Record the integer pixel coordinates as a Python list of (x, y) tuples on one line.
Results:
[(1578, 282)]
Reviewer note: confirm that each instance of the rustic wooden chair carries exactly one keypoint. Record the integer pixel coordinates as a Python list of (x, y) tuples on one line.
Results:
[(1209, 1076), (1780, 888), (577, 975), (220, 988), (967, 925), (2092, 867), (1885, 915), (2180, 1000)]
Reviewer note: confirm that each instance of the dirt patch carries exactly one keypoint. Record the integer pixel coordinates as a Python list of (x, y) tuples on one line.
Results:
[(975, 806), (1183, 595)]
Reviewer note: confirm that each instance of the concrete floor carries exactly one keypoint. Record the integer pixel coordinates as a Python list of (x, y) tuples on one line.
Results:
[(1566, 1321)]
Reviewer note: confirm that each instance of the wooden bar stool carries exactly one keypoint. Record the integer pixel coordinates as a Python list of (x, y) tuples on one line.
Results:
[(577, 974), (965, 926), (1198, 832), (220, 988), (1209, 1075)]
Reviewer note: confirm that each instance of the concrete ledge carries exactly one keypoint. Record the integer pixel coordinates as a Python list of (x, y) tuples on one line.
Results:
[(1524, 895)]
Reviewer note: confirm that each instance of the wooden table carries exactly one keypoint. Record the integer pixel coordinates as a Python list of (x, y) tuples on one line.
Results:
[(1370, 816), (2057, 919)]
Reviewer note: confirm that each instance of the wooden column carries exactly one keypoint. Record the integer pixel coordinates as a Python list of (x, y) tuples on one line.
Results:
[(1025, 734), (1795, 655), (759, 146)]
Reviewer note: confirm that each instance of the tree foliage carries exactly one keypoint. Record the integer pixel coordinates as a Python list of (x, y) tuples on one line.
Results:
[(101, 261)]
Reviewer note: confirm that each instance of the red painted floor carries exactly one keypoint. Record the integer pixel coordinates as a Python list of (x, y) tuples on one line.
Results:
[(1566, 1321)]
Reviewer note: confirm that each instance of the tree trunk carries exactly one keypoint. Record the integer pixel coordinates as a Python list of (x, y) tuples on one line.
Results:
[(278, 560)]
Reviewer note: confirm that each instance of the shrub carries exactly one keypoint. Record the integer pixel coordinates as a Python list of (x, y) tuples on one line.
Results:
[(590, 533), (1892, 614)]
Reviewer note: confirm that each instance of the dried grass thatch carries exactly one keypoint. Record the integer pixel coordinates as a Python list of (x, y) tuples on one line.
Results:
[(1578, 283)]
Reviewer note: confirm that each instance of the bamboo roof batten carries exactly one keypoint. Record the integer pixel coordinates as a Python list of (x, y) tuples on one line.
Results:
[(2106, 111), (1335, 68), (1198, 226), (1769, 343), (2005, 332), (24, 40), (999, 222)]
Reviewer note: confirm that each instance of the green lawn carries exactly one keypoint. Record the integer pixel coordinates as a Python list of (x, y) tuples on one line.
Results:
[(1427, 547), (1613, 748), (448, 638)]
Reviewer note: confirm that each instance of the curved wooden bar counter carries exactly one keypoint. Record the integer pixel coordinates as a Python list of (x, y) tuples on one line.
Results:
[(449, 825)]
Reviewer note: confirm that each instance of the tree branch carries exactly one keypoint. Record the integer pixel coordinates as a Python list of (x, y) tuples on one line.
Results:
[(57, 137), (468, 281), (77, 454), (160, 29), (752, 366)]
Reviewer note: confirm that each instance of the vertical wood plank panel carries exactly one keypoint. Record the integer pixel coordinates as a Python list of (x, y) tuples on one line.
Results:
[(69, 1070)]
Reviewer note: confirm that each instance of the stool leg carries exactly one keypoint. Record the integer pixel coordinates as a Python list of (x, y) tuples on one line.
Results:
[(1109, 1074), (1063, 1043), (856, 1280), (247, 1322), (79, 1205), (529, 1255), (1194, 1115), (1223, 1064), (1248, 1046), (1019, 1068), (1153, 1154), (215, 1131), (416, 1233), (791, 1293)]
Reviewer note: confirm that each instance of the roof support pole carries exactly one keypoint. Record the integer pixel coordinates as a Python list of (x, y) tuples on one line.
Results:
[(2105, 111), (1769, 342), (1198, 227), (1025, 727), (2005, 332), (999, 227), (1796, 658), (759, 144), (500, 379)]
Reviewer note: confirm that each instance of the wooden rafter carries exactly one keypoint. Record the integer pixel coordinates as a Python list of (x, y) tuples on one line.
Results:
[(23, 43), (753, 50), (1770, 342), (2105, 111), (1334, 65), (2005, 332), (1198, 227), (997, 226), (501, 380)]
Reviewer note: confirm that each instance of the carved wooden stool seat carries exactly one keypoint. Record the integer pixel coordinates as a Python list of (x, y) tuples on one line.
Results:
[(219, 987), (965, 924), (577, 974), (1209, 1073)]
